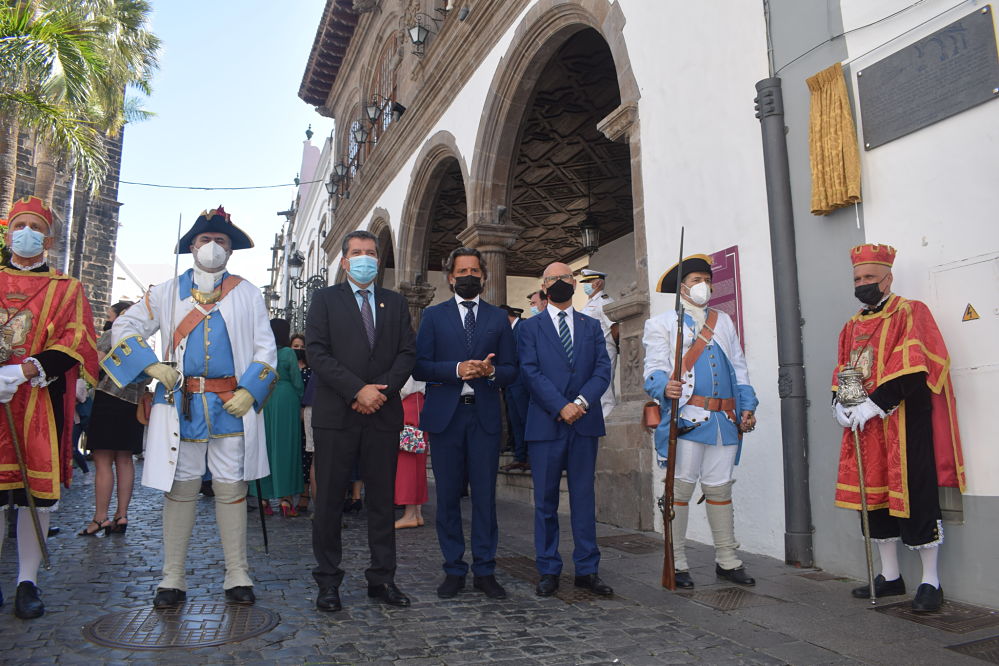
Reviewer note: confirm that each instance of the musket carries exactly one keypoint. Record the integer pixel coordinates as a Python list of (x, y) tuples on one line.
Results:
[(27, 489), (263, 522), (669, 566)]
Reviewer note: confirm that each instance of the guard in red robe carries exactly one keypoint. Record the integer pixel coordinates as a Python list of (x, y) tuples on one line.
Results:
[(46, 341), (908, 425)]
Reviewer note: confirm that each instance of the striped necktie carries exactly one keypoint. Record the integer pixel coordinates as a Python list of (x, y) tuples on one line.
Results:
[(564, 335), (367, 317)]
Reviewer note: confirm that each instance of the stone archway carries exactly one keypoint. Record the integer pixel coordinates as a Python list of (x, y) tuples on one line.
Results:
[(382, 229), (434, 213), (506, 165)]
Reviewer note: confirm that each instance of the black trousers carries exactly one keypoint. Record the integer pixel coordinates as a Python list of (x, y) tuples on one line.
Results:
[(336, 453)]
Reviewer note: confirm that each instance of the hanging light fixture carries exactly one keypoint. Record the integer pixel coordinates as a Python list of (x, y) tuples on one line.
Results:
[(589, 228)]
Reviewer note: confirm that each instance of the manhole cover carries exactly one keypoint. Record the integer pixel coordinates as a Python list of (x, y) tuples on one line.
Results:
[(986, 649), (953, 616), (729, 598), (189, 625), (524, 568), (636, 544)]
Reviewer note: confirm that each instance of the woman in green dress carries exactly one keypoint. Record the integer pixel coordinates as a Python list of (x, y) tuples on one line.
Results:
[(283, 424)]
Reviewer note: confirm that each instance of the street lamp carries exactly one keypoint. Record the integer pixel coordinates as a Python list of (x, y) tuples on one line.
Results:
[(589, 234), (295, 263)]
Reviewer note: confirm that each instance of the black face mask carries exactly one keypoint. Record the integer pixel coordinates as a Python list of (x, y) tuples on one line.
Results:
[(560, 292), (468, 286), (107, 325), (868, 293)]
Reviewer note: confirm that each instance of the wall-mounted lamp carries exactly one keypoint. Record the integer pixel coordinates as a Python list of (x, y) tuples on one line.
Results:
[(340, 169), (419, 32), (295, 263), (359, 133), (374, 109)]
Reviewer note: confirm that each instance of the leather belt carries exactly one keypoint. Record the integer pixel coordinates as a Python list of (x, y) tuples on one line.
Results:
[(467, 399), (712, 404), (209, 384)]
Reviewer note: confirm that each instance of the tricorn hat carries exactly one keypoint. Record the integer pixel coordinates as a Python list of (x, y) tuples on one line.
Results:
[(695, 263), (215, 221)]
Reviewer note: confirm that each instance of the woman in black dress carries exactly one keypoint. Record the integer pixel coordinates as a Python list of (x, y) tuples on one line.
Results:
[(113, 437)]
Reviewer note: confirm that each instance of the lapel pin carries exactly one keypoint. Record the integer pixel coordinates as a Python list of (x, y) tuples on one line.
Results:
[(381, 305)]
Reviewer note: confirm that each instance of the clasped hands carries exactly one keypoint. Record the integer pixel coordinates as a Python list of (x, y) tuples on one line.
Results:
[(473, 369), (571, 413), (369, 399)]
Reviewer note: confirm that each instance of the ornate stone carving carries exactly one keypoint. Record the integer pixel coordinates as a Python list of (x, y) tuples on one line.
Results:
[(618, 123), (418, 295), (362, 6)]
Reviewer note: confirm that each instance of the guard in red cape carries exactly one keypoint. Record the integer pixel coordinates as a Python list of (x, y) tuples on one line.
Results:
[(908, 425), (47, 340)]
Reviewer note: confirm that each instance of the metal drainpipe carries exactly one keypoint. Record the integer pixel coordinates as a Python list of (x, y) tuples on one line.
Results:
[(790, 352)]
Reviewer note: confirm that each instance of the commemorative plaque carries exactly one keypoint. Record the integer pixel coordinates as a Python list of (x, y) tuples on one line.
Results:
[(941, 75)]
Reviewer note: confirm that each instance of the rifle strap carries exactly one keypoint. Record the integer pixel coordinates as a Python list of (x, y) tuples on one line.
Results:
[(704, 337)]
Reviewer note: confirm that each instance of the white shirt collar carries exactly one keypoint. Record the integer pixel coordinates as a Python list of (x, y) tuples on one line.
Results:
[(458, 299), (553, 313)]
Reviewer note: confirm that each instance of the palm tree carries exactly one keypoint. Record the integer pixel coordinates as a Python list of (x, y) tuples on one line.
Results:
[(128, 50), (49, 59)]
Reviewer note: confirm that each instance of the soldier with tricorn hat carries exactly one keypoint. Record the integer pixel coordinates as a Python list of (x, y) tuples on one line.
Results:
[(215, 328), (716, 406), (906, 426)]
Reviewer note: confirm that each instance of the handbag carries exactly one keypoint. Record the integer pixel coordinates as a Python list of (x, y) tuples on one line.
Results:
[(412, 440)]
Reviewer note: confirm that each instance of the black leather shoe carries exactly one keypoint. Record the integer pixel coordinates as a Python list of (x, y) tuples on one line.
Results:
[(928, 598), (882, 588), (389, 594), (168, 597), (329, 599), (489, 587), (241, 594), (27, 604), (737, 576), (684, 581), (451, 586), (54, 531), (593, 583), (547, 586)]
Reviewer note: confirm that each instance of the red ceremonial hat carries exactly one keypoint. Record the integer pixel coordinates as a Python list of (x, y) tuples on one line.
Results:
[(873, 253), (30, 205)]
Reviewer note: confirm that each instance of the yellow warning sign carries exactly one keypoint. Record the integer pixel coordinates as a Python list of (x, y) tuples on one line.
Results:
[(969, 313)]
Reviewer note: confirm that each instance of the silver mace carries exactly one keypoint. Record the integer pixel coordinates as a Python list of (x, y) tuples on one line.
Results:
[(851, 393), (27, 490)]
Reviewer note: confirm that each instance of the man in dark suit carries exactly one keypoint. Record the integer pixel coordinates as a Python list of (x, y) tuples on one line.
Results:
[(564, 362), (361, 349), (516, 397), (465, 352)]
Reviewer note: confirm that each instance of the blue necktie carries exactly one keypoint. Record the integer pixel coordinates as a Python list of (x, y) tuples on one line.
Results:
[(564, 335), (367, 317), (469, 324)]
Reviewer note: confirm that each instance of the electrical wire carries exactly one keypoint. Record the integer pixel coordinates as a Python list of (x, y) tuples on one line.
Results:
[(851, 30), (199, 187)]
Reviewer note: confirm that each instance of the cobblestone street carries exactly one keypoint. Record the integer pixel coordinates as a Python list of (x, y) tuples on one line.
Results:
[(788, 618)]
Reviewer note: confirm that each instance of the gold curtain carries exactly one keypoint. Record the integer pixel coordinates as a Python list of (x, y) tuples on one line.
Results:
[(832, 143)]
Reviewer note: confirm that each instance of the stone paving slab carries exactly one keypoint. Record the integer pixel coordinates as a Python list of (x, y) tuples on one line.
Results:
[(801, 622)]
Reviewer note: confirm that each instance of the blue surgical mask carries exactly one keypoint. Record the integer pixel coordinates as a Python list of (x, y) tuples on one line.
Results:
[(363, 269), (27, 242), (534, 310), (588, 288)]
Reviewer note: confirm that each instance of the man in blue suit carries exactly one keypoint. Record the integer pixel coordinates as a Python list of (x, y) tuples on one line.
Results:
[(564, 362), (465, 353)]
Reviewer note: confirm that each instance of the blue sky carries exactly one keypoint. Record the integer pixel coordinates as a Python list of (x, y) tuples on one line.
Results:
[(228, 114)]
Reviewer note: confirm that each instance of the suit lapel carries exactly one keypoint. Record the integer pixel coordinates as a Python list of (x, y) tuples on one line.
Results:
[(455, 316), (380, 314), (353, 310)]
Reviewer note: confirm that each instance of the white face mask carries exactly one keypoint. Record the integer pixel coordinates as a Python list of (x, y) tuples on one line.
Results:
[(700, 293), (211, 256)]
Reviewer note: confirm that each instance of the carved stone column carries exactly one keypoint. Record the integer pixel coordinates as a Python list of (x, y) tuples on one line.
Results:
[(493, 241), (418, 295)]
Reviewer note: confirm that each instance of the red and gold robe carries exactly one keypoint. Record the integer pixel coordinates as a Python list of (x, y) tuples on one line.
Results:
[(41, 311), (900, 339)]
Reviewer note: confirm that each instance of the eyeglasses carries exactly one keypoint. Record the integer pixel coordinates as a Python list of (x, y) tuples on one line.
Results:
[(555, 278)]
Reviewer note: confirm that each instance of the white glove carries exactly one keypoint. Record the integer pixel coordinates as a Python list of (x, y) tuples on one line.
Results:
[(843, 415), (239, 404), (164, 374), (12, 375), (863, 413), (7, 392)]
